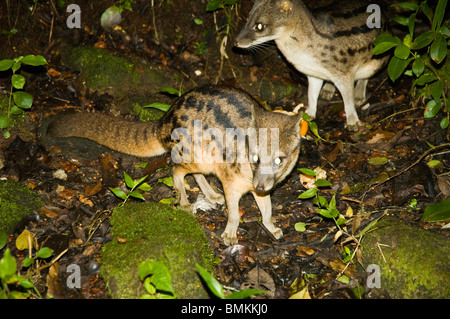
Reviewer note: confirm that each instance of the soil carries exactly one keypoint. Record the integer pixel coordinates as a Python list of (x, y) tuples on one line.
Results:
[(74, 221)]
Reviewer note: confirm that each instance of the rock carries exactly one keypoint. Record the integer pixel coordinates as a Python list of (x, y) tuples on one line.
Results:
[(414, 263), (144, 231), (16, 202)]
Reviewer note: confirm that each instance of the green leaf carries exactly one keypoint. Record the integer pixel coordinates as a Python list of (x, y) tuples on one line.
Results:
[(34, 60), (406, 5), (308, 194), (402, 51), (167, 201), (437, 212), (129, 181), (18, 81), (170, 90), (136, 194), (439, 14), (44, 253), (322, 183), (383, 47), (23, 99), (435, 164), (308, 172), (16, 110), (401, 20), (423, 40), (425, 78), (444, 123), (6, 64), (300, 227), (325, 213), (119, 193), (437, 88), (213, 5), (431, 109), (149, 286), (4, 121), (244, 294), (418, 66), (8, 265), (27, 262), (438, 49), (214, 286), (145, 187), (168, 181), (159, 106), (396, 67)]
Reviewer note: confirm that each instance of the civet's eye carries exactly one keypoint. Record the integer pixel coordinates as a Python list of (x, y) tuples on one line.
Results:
[(277, 161), (259, 26), (255, 158)]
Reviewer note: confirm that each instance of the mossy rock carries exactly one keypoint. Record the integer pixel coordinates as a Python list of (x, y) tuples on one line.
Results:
[(414, 263), (144, 231), (16, 202), (129, 80)]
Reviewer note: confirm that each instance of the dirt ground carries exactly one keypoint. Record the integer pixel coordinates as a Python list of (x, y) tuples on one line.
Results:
[(74, 220)]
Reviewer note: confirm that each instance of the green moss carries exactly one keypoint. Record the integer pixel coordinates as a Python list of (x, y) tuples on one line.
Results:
[(144, 231), (414, 263), (16, 202)]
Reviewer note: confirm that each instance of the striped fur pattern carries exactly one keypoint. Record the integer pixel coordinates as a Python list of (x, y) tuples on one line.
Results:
[(327, 44), (202, 118)]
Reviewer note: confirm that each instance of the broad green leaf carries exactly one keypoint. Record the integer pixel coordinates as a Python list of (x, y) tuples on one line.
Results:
[(383, 47), (387, 38), (8, 265), (431, 109), (128, 180), (16, 110), (119, 193), (23, 99), (423, 40), (44, 253), (214, 286), (402, 52), (27, 262), (438, 49), (149, 286), (213, 5), (437, 212), (18, 81), (418, 66), (161, 277), (307, 171), (168, 181), (322, 183), (324, 212), (6, 64), (435, 164), (34, 60), (167, 201), (4, 121), (444, 123), (300, 227), (308, 194), (396, 67), (425, 78), (159, 106), (145, 187), (136, 194), (437, 88)]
